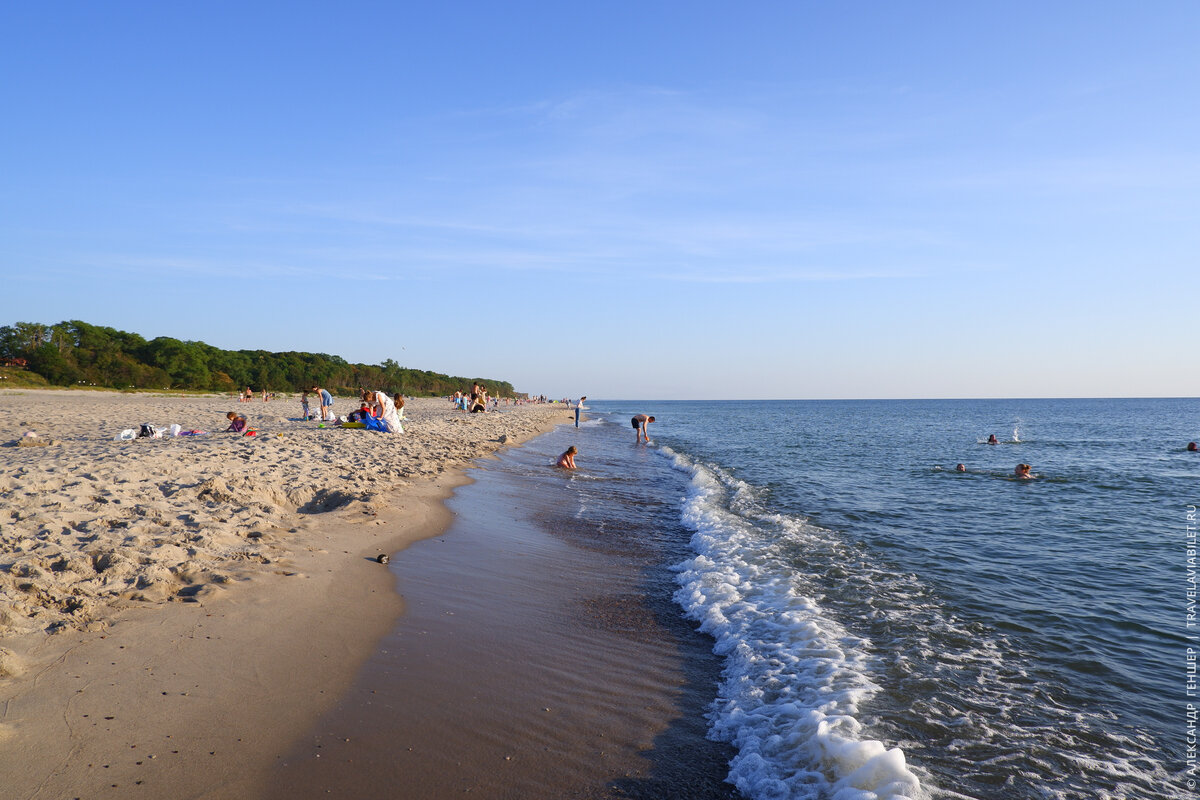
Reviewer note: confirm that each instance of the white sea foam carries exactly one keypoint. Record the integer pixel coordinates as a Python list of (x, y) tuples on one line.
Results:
[(793, 677)]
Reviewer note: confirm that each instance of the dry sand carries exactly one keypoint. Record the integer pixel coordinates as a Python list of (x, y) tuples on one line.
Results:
[(175, 611)]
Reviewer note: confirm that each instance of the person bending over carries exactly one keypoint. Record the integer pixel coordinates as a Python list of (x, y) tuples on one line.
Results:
[(326, 403), (567, 459), (640, 421)]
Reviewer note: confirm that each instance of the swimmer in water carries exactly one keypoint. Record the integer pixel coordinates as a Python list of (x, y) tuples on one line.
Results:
[(992, 439), (960, 468), (567, 459), (1191, 447), (1022, 471)]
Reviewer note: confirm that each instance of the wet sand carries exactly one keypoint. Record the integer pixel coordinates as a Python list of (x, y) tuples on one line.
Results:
[(527, 664)]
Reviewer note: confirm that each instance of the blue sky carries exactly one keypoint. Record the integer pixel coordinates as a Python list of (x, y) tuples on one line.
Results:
[(624, 200)]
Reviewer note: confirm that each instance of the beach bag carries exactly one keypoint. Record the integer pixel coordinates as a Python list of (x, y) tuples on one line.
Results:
[(148, 431), (373, 424)]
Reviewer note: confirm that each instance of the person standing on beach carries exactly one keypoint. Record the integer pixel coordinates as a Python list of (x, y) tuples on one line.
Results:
[(640, 421), (579, 407), (326, 404)]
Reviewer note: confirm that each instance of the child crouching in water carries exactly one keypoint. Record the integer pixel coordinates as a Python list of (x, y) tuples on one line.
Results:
[(567, 459)]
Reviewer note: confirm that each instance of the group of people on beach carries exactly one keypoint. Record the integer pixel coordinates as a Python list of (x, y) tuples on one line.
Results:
[(639, 421), (248, 395), (387, 410), (476, 402)]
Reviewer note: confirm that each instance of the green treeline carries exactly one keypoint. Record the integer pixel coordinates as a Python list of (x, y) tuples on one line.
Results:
[(75, 352)]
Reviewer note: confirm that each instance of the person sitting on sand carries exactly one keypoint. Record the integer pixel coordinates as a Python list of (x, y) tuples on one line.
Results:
[(237, 422), (1022, 471), (567, 459), (992, 439), (640, 421)]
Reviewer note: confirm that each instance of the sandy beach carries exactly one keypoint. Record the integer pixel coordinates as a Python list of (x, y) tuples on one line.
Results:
[(174, 612)]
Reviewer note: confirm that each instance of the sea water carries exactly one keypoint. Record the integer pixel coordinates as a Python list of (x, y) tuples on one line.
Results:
[(890, 627)]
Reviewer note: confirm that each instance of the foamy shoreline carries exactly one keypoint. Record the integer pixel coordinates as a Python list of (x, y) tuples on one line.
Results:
[(113, 555)]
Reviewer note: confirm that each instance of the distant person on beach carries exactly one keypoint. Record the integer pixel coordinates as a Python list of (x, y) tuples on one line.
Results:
[(237, 422), (579, 407), (640, 421), (326, 403), (1191, 447), (992, 439), (960, 468), (1022, 471), (567, 459)]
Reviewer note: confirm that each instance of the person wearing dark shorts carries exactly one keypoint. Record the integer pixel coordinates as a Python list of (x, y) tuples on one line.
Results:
[(640, 421)]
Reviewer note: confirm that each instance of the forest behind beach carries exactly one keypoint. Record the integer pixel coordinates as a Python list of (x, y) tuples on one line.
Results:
[(75, 353)]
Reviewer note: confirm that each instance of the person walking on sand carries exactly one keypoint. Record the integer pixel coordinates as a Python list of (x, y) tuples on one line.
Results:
[(579, 407), (640, 421), (326, 403), (567, 459)]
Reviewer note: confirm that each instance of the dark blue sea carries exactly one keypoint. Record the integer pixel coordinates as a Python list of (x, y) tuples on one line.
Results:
[(889, 627)]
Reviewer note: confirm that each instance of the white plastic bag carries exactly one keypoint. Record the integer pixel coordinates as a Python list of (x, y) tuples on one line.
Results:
[(125, 435)]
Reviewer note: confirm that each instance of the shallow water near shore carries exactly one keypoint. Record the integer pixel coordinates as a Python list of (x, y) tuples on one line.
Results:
[(540, 653), (891, 625)]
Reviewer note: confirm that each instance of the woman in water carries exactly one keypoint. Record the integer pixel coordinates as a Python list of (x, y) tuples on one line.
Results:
[(567, 459)]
